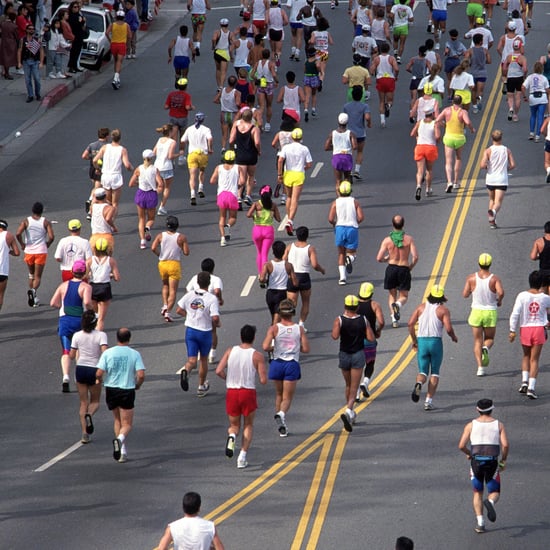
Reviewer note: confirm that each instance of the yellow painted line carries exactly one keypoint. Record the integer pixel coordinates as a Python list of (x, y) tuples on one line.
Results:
[(312, 494)]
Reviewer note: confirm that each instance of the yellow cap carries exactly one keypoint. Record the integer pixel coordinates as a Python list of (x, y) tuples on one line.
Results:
[(297, 133), (366, 290), (182, 82), (345, 188), (229, 156), (351, 301), (437, 291), (428, 88), (480, 20), (485, 260), (101, 245), (74, 224)]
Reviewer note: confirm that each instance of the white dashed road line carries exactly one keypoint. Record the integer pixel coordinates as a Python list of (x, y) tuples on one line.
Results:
[(248, 286), (59, 457)]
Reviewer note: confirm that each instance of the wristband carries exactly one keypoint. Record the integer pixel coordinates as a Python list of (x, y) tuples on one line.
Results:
[(502, 464)]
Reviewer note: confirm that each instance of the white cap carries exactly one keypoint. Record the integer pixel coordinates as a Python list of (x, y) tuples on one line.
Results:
[(147, 154), (121, 13), (512, 25), (224, 22), (342, 118)]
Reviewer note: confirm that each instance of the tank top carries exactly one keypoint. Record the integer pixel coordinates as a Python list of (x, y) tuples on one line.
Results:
[(284, 138), (310, 68), (426, 133), (223, 41), (352, 333), (497, 167), (321, 41), (478, 67), (263, 216), (112, 159), (431, 57), (485, 438), (287, 342), (35, 236), (147, 180), (258, 10), (346, 212), (295, 7), (198, 7), (278, 278), (544, 256), (98, 223), (72, 302), (429, 325), (169, 249), (241, 59), (227, 101), (454, 125), (384, 69), (299, 258), (377, 30), (244, 144), (482, 296), (508, 47), (100, 270), (228, 180), (514, 68), (365, 309), (275, 19), (263, 70), (418, 68), (181, 47), (291, 98), (240, 369), (243, 87), (363, 16), (4, 255), (119, 33), (341, 143), (162, 162)]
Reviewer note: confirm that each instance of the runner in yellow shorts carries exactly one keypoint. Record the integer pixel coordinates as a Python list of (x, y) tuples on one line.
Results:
[(197, 159), (170, 269), (293, 178)]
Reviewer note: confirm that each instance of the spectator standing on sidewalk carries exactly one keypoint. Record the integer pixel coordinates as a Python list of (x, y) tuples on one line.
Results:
[(132, 19), (30, 56)]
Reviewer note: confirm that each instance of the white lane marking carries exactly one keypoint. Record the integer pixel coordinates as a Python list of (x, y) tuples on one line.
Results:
[(317, 169), (282, 225), (248, 286), (59, 457)]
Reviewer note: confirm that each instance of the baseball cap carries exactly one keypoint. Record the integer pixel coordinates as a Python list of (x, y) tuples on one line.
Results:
[(101, 245), (344, 187), (485, 260), (99, 193), (121, 13), (480, 20), (224, 22), (516, 44), (429, 112), (366, 290), (74, 225), (365, 28), (229, 156), (428, 88), (342, 118), (437, 291), (485, 405), (79, 266), (512, 25), (182, 82), (297, 133), (147, 154), (351, 301), (199, 117)]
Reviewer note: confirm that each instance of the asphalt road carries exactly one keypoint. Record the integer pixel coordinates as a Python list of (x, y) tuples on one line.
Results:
[(399, 472)]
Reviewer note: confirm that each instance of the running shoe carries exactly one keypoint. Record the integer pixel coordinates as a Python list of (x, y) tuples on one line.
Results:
[(475, 109), (418, 193), (212, 356), (396, 309), (314, 111), (227, 232), (36, 301), (89, 423), (480, 371), (357, 175), (281, 425), (515, 118), (117, 446), (248, 200), (342, 282), (193, 201), (142, 244), (493, 225), (492, 215), (163, 310), (429, 192), (65, 387), (241, 463), (387, 110), (449, 187), (491, 512), (479, 528), (428, 406), (30, 297), (523, 389), (123, 458), (504, 89), (415, 395), (162, 211), (485, 356), (184, 380), (395, 324), (267, 127), (531, 136), (349, 264), (398, 59), (289, 227), (429, 27), (456, 185), (223, 241), (181, 160), (346, 419), (201, 193), (364, 390), (147, 233), (168, 317), (85, 439), (510, 115), (306, 115), (537, 139), (230, 446), (531, 394), (87, 205), (437, 46), (203, 389)]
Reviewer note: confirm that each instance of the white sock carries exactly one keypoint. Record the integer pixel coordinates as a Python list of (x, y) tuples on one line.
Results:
[(525, 376), (66, 378), (282, 415), (532, 382), (123, 449), (121, 437), (342, 271), (480, 520), (242, 455), (399, 304), (366, 381), (358, 168), (197, 44), (117, 76), (352, 257), (382, 118)]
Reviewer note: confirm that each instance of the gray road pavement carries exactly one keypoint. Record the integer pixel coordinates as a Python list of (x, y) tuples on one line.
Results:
[(399, 472)]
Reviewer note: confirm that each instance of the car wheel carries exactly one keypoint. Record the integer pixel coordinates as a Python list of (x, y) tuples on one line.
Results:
[(107, 56)]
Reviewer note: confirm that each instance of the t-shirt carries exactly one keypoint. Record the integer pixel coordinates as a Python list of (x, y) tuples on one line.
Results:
[(296, 156), (356, 111), (88, 345), (178, 103), (401, 15), (356, 75), (120, 364), (215, 284), (192, 533), (72, 248), (197, 138), (200, 306)]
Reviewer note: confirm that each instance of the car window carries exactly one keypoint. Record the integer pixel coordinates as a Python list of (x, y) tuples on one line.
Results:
[(94, 21)]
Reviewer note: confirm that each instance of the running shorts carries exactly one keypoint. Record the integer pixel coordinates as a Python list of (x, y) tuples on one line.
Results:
[(397, 276), (385, 84), (293, 178), (197, 159), (466, 96), (346, 236), (284, 370), (198, 341), (402, 30), (101, 292), (474, 10), (428, 153), (485, 472), (146, 199), (118, 48), (198, 19), (181, 62), (85, 375), (532, 336), (36, 259), (119, 398), (429, 355), (273, 298), (111, 181), (275, 35), (170, 269), (226, 199), (486, 318), (513, 84), (439, 15), (304, 283), (348, 361), (343, 162), (240, 401), (454, 141)]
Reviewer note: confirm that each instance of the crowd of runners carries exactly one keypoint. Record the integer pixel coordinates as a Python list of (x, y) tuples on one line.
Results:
[(442, 107)]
